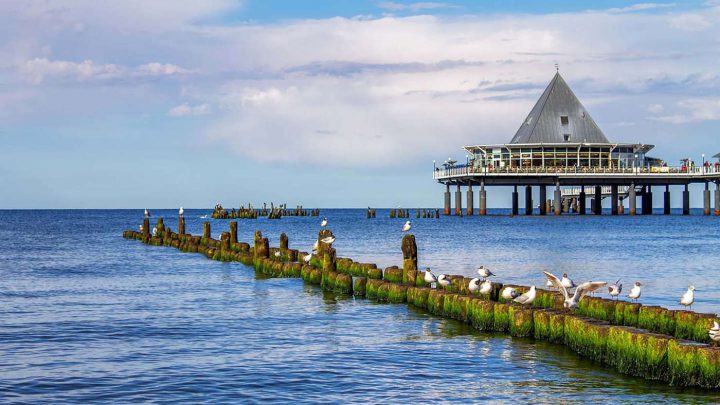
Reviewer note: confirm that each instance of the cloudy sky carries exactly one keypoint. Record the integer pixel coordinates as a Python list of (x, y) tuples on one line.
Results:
[(330, 103)]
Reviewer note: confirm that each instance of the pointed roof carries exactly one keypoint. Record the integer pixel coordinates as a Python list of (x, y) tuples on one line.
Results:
[(559, 117)]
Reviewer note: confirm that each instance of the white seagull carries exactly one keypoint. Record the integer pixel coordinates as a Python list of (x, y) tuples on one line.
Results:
[(443, 280), (688, 298), (474, 285), (486, 287), (528, 297), (323, 223), (714, 333), (182, 211), (509, 293), (635, 291), (307, 258), (154, 231), (277, 253), (580, 292), (147, 213), (566, 282), (140, 227), (406, 227), (484, 272), (328, 240), (615, 289), (429, 277)]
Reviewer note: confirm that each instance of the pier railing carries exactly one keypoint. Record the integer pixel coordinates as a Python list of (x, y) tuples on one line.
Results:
[(660, 171)]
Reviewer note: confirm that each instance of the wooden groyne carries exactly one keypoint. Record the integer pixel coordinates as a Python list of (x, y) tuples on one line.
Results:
[(420, 213), (644, 341), (272, 212)]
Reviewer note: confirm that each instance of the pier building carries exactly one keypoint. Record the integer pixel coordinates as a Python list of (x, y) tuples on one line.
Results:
[(561, 146)]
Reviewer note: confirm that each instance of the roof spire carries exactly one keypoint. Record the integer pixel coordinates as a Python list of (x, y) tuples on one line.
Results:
[(557, 68)]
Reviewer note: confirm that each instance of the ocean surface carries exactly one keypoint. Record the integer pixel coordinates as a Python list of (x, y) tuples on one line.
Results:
[(89, 317)]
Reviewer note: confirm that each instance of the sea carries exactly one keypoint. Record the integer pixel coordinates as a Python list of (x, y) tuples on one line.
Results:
[(88, 317)]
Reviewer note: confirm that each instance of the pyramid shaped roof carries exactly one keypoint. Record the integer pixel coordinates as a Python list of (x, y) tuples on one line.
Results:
[(559, 117)]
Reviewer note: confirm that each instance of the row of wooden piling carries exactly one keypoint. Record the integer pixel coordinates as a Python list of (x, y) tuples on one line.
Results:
[(645, 341), (271, 213), (420, 213)]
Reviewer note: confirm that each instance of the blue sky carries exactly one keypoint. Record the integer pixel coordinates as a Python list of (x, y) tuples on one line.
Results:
[(325, 103)]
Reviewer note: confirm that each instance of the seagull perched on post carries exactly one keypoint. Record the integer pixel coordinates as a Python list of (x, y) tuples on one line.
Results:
[(307, 258), (328, 240), (714, 333), (443, 280), (635, 291), (566, 282), (429, 277), (509, 293), (484, 272), (615, 289), (528, 297), (277, 253), (688, 298), (474, 285), (182, 211), (486, 287), (406, 227), (323, 223), (147, 213), (580, 292)]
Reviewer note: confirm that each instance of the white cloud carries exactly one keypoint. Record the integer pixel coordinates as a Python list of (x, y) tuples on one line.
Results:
[(38, 70), (640, 7), (656, 108), (690, 22), (414, 7), (187, 109), (694, 110)]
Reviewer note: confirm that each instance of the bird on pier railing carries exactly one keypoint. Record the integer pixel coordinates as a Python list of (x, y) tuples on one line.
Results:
[(615, 289), (323, 223), (147, 213), (635, 291), (182, 211), (406, 227), (688, 298), (580, 292), (528, 297), (714, 333), (509, 293), (484, 272)]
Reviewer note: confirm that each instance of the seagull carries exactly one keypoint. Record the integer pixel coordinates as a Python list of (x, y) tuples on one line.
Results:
[(484, 272), (714, 333), (277, 254), (182, 211), (566, 282), (323, 223), (486, 287), (509, 293), (580, 292), (615, 289), (429, 277), (147, 213), (140, 227), (203, 216), (548, 284), (444, 280), (474, 285), (528, 297), (635, 291), (688, 298), (307, 258), (406, 227), (328, 240), (154, 231)]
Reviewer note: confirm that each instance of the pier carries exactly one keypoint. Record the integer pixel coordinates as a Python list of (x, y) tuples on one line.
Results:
[(651, 342), (560, 146)]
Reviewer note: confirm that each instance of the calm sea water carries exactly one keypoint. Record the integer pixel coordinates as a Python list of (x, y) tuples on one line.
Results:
[(86, 316)]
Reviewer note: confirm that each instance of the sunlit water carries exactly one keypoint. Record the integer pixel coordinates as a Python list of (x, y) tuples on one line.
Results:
[(86, 316)]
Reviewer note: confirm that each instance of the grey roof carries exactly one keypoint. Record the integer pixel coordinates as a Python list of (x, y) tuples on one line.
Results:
[(544, 123)]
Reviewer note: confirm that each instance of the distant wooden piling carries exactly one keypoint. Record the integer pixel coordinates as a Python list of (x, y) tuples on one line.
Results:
[(206, 230)]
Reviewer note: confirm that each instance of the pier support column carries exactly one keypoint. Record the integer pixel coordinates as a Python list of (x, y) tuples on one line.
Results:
[(543, 197), (558, 200), (528, 200), (597, 207), (666, 201), (458, 201), (515, 201), (706, 199), (614, 199), (582, 200), (470, 206), (717, 199), (621, 208), (686, 201), (647, 201), (483, 199), (447, 199), (633, 199)]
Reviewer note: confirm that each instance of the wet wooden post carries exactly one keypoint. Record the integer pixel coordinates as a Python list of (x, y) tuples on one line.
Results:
[(283, 242), (409, 251), (233, 232), (181, 225), (225, 241), (146, 226), (206, 230), (261, 246)]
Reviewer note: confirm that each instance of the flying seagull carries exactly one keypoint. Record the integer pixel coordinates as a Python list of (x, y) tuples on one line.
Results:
[(528, 297), (580, 292), (635, 291), (406, 227), (688, 298)]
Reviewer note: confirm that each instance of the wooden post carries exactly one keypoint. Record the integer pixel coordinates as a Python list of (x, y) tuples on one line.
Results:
[(206, 230), (409, 251), (181, 225), (233, 232)]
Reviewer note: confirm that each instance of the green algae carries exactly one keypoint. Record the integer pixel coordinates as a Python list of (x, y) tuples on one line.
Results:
[(520, 320), (359, 286)]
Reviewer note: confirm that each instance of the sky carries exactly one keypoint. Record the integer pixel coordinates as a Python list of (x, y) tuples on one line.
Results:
[(327, 103)]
